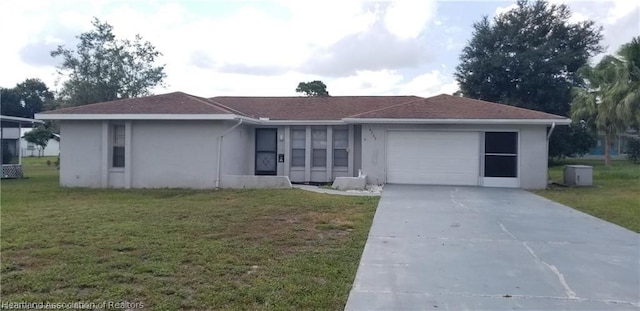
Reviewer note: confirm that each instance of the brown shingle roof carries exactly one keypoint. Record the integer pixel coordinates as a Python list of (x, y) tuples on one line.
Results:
[(171, 103), (309, 108), (453, 107), (313, 108)]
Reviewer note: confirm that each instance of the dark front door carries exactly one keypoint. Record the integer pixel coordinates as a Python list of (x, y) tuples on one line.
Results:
[(266, 151)]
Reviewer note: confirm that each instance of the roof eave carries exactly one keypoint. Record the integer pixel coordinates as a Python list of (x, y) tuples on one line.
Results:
[(459, 121), (301, 122), (141, 116), (18, 119)]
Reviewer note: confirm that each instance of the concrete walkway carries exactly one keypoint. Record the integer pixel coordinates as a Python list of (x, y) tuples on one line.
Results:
[(465, 248), (333, 191)]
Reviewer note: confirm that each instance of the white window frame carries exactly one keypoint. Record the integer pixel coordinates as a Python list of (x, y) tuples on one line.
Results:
[(504, 182), (293, 146), (314, 147), (345, 131), (118, 139)]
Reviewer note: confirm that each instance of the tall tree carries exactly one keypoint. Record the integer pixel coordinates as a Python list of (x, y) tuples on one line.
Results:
[(313, 88), (103, 68), (11, 104), (610, 98), (39, 136), (26, 98), (529, 57), (35, 95)]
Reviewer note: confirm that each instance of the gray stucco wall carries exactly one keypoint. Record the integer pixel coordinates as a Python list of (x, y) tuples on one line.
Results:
[(183, 153), (237, 150), (532, 156), (179, 154), (172, 154), (80, 153)]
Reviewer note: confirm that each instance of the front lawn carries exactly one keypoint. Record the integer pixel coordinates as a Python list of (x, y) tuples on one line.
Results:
[(178, 249), (614, 197)]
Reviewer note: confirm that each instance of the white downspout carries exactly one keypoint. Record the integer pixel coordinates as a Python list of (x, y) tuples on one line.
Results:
[(553, 126), (219, 164)]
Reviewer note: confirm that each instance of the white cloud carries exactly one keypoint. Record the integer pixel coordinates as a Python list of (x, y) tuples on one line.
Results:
[(372, 50), (244, 50), (379, 82), (265, 47), (619, 18), (407, 19), (208, 83), (622, 8), (577, 17), (504, 9), (322, 23), (601, 11), (429, 84)]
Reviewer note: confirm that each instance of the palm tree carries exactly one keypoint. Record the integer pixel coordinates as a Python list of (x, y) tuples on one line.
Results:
[(610, 99), (626, 90)]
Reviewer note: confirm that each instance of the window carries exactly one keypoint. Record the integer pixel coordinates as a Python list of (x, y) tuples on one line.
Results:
[(340, 145), (118, 146), (501, 154), (319, 147), (10, 151), (298, 146)]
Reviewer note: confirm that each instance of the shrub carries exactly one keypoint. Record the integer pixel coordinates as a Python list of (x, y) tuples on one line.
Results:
[(574, 140), (633, 149)]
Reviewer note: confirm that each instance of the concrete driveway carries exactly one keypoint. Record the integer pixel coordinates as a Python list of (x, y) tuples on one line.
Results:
[(465, 248)]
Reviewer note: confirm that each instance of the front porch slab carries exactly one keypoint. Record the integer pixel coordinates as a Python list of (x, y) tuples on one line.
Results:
[(255, 182)]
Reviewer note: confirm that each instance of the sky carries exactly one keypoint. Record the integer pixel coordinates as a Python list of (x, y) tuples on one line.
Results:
[(265, 48)]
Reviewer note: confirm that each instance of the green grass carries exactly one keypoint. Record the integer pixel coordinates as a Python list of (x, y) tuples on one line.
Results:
[(178, 249), (614, 197)]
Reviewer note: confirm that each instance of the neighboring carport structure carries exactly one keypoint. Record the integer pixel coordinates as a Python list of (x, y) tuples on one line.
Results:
[(10, 129)]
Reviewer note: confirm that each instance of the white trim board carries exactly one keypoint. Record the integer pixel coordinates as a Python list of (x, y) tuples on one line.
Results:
[(133, 116), (460, 121), (19, 119), (263, 121)]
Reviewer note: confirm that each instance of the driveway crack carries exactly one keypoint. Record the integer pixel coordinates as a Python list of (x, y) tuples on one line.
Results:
[(452, 197), (563, 282), (567, 290), (504, 229)]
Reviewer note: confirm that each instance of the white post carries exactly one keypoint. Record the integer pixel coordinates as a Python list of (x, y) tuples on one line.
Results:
[(307, 155), (287, 150), (1, 134), (329, 154), (20, 143), (127, 153), (104, 155)]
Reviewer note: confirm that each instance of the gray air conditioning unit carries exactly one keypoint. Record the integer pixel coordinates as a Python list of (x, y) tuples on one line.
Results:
[(578, 175)]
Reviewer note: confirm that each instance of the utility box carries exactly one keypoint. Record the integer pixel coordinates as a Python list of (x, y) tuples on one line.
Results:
[(578, 175)]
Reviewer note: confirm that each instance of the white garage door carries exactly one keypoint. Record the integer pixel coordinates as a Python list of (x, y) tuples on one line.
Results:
[(433, 158)]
